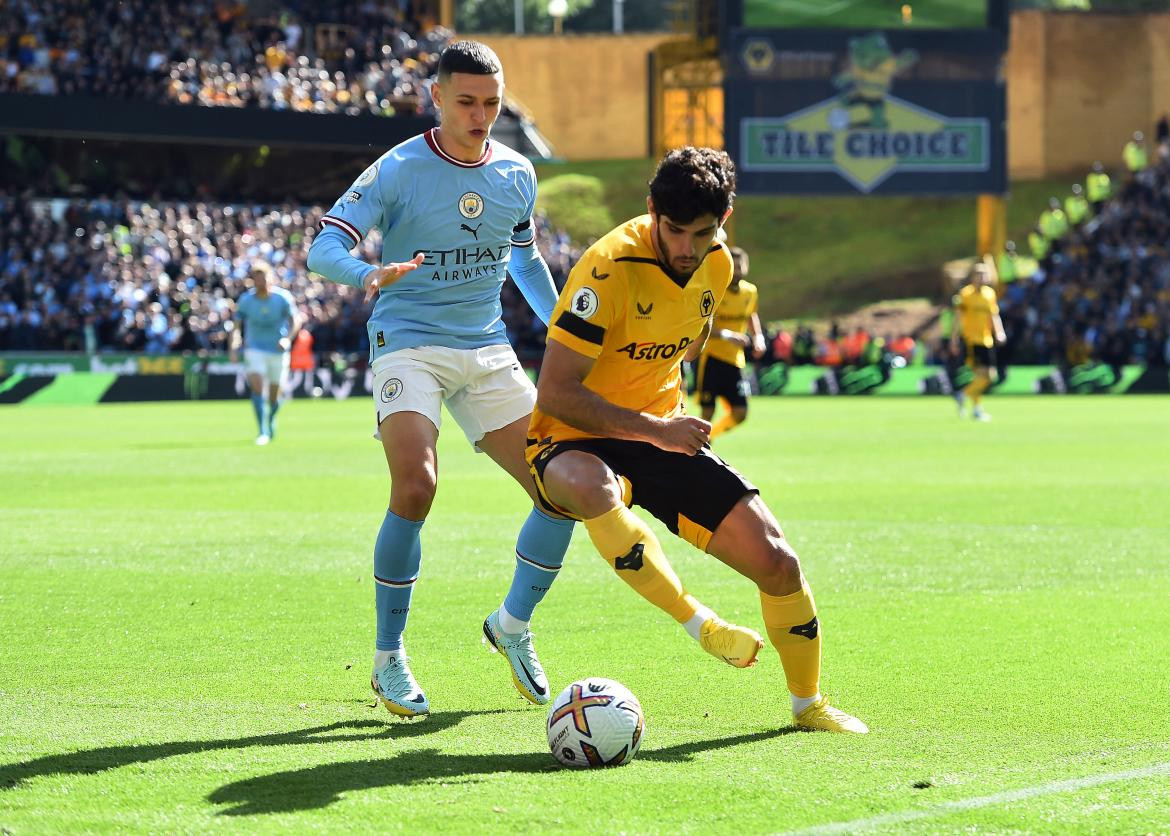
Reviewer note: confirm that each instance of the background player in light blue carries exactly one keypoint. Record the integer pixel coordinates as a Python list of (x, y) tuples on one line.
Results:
[(267, 320), (455, 210)]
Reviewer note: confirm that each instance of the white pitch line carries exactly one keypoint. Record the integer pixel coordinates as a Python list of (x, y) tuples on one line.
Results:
[(1070, 785)]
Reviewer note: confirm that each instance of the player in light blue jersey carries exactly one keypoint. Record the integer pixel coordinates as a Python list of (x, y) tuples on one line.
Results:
[(266, 322), (455, 211)]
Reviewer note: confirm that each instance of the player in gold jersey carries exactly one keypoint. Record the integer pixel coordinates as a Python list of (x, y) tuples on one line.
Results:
[(719, 374), (610, 427), (977, 320)]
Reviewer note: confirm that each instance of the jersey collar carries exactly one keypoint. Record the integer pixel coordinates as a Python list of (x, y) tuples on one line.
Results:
[(645, 227), (432, 139)]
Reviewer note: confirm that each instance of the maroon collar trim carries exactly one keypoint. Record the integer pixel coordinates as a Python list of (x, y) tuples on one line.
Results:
[(433, 142)]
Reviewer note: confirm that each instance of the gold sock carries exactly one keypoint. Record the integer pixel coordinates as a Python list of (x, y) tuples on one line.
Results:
[(791, 622), (631, 548), (722, 425)]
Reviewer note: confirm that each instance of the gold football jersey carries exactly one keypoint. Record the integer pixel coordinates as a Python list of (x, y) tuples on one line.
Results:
[(733, 314), (976, 305), (620, 308)]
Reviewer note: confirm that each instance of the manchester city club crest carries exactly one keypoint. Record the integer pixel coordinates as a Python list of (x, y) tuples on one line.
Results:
[(471, 205), (391, 389)]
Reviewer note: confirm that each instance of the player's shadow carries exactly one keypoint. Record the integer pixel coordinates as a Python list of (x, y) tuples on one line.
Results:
[(321, 785), (91, 761)]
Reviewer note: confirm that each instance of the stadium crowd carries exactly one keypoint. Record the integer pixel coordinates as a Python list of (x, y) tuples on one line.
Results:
[(104, 275), (353, 58), (120, 275), (1097, 284)]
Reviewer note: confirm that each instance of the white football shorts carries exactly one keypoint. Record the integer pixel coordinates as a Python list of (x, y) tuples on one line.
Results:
[(484, 388), (272, 366)]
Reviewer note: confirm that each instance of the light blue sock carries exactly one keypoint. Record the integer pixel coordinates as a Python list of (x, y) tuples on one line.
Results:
[(540, 551), (273, 408), (397, 556), (258, 407)]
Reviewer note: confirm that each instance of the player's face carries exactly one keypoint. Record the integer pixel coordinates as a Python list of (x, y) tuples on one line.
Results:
[(469, 105), (260, 281), (682, 247), (738, 271)]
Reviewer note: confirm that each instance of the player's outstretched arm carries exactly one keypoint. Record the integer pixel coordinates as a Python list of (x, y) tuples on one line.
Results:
[(561, 393), (381, 277)]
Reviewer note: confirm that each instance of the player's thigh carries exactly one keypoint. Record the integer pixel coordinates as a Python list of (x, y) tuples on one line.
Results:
[(506, 448), (573, 480), (750, 541), (690, 495), (276, 370), (256, 368), (410, 380), (582, 484), (495, 392), (409, 441)]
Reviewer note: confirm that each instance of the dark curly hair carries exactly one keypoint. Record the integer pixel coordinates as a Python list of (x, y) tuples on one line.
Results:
[(691, 182)]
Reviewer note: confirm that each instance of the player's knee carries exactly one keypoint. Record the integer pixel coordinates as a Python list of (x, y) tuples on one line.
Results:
[(582, 484), (411, 497), (779, 571)]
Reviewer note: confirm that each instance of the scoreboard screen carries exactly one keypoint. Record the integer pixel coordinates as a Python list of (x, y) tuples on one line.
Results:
[(862, 14)]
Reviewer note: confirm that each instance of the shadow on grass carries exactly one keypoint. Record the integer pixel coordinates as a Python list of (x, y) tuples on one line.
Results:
[(91, 761), (319, 786)]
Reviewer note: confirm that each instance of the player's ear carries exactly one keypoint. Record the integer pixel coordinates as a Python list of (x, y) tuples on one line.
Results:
[(727, 215), (650, 204), (437, 92)]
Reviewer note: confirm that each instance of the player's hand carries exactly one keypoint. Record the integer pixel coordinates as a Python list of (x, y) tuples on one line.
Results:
[(684, 434), (758, 349), (284, 343), (388, 275)]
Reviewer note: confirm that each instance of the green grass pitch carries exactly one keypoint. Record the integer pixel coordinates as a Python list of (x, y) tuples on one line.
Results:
[(865, 13), (186, 627)]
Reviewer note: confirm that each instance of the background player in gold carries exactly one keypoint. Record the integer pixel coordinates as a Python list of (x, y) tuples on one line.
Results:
[(719, 374), (977, 320), (610, 428)]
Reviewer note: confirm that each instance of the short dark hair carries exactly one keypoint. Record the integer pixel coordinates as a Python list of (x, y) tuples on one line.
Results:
[(691, 182), (470, 57)]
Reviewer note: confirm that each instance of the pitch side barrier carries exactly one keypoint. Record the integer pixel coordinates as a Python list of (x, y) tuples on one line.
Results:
[(113, 378)]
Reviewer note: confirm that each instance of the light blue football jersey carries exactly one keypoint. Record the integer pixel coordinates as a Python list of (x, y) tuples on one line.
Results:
[(465, 218), (266, 321)]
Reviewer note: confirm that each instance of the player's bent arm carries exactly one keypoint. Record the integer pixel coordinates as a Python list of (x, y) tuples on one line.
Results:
[(696, 348), (562, 394), (531, 274), (294, 327), (329, 256), (236, 339), (756, 333)]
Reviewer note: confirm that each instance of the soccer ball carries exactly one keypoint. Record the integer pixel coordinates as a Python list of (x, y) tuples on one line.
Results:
[(595, 722)]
